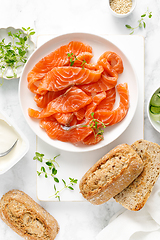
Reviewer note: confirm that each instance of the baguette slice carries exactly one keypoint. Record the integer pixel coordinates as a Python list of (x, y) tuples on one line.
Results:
[(111, 174), (136, 194), (26, 217)]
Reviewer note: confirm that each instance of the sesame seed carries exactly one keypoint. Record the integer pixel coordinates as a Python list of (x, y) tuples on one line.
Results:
[(121, 6)]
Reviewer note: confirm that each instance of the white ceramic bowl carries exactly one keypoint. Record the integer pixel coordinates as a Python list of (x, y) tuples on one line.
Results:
[(155, 124), (4, 35), (19, 150), (99, 45), (122, 15)]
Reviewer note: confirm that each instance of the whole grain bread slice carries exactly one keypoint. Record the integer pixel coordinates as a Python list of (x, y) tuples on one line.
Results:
[(136, 194), (111, 174), (26, 217)]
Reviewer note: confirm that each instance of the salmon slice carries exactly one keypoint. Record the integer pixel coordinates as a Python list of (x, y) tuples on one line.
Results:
[(108, 69), (80, 114), (71, 101), (109, 101), (91, 139), (80, 60), (60, 78), (43, 100), (77, 47), (64, 118), (105, 83), (114, 60), (92, 106), (54, 59), (55, 131), (117, 115)]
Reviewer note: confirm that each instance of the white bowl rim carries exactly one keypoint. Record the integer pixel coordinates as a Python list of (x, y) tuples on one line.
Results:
[(88, 148), (152, 122), (119, 15), (10, 28)]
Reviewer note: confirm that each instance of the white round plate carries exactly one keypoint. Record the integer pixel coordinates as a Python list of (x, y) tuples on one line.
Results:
[(99, 45), (4, 35)]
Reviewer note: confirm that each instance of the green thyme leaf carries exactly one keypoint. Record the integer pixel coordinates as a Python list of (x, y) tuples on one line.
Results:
[(96, 125), (66, 186), (50, 163), (38, 157), (128, 26), (54, 171), (141, 22), (70, 187), (56, 179)]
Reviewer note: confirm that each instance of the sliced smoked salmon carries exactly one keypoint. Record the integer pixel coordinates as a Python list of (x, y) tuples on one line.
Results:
[(71, 90), (77, 47), (114, 60), (92, 139), (109, 101), (55, 131), (80, 60), (105, 83), (56, 58), (71, 101), (43, 100), (92, 106), (60, 78), (117, 115), (80, 114), (64, 118)]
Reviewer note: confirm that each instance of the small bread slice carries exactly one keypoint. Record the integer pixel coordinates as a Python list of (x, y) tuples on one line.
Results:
[(136, 194), (111, 174), (26, 217)]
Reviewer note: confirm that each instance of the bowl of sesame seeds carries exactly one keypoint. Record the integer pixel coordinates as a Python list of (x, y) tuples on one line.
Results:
[(121, 8)]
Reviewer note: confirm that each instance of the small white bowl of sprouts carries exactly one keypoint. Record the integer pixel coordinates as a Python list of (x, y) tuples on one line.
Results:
[(15, 48), (121, 8)]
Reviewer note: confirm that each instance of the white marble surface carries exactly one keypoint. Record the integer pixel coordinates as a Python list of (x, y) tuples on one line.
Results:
[(77, 220)]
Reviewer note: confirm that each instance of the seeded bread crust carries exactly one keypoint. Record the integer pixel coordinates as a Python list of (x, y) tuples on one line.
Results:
[(111, 174), (26, 217), (136, 194)]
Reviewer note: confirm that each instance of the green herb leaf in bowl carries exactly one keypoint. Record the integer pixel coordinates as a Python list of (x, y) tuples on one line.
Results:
[(13, 54)]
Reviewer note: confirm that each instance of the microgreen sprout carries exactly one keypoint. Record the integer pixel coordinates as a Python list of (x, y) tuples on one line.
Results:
[(73, 58), (94, 125), (69, 186), (14, 53), (83, 63), (51, 163), (141, 22)]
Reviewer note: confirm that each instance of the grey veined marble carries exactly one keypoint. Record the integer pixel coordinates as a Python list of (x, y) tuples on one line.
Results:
[(77, 220)]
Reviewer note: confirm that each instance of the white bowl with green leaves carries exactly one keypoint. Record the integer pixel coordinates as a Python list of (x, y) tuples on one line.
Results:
[(15, 48), (153, 109)]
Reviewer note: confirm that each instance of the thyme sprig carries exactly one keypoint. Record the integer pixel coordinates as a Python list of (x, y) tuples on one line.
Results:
[(51, 163), (14, 53), (94, 125), (141, 22), (72, 58), (69, 186)]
